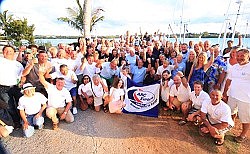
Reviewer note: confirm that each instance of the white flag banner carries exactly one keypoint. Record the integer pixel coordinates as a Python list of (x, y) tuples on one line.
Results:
[(141, 99)]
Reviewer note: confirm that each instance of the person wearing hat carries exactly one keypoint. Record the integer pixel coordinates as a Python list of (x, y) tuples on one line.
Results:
[(31, 106)]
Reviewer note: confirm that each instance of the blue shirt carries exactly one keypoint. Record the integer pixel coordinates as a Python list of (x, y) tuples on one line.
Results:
[(131, 60), (181, 67), (107, 72), (213, 73), (138, 74)]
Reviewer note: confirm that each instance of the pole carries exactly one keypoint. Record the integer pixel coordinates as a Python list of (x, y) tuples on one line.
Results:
[(237, 16)]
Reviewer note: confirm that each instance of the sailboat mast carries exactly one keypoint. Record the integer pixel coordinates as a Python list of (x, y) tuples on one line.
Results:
[(237, 16)]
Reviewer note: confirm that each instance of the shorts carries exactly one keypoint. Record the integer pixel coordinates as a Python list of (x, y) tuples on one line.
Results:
[(192, 110), (177, 103), (98, 101), (73, 91), (223, 131), (243, 109)]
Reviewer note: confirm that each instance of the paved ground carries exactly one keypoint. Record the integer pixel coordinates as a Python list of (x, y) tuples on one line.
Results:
[(101, 132)]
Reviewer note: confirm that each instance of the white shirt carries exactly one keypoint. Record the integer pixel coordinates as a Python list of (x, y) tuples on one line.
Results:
[(197, 101), (68, 81), (11, 71), (56, 62), (240, 76), (32, 105), (96, 90), (116, 93), (72, 64), (182, 93), (165, 91), (217, 113), (57, 98), (80, 89), (90, 69), (160, 69)]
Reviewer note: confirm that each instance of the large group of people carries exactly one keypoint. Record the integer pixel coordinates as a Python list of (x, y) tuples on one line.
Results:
[(208, 86)]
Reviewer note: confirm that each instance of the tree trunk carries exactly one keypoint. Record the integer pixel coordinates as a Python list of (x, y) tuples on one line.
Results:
[(87, 17)]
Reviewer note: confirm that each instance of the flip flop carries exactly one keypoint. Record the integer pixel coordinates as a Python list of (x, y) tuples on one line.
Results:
[(239, 139), (182, 122), (219, 142)]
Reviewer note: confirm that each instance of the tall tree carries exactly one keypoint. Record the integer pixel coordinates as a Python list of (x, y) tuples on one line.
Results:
[(18, 29), (5, 19), (76, 17)]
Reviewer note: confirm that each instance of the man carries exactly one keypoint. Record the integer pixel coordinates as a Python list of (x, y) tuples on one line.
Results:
[(184, 52), (139, 72), (180, 63), (59, 100), (109, 70), (191, 109), (178, 92), (31, 71), (239, 95), (216, 117), (11, 71)]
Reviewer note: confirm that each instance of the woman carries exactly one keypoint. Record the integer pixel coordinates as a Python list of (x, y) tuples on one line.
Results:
[(198, 70), (116, 103), (166, 83), (232, 60), (83, 101), (113, 55), (189, 62)]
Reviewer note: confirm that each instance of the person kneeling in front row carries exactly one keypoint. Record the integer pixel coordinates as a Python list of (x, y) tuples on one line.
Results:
[(57, 96), (216, 117), (31, 106)]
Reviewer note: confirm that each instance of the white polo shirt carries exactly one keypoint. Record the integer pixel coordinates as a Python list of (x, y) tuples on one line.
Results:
[(31, 105), (11, 71), (182, 93), (217, 113), (240, 76), (197, 101), (57, 98)]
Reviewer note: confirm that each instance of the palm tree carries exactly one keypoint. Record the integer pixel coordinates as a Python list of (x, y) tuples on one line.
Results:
[(77, 15)]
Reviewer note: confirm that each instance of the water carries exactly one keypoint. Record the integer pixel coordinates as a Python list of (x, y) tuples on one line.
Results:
[(246, 41)]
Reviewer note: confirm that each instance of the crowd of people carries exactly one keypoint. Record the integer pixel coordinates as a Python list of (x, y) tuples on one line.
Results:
[(206, 84)]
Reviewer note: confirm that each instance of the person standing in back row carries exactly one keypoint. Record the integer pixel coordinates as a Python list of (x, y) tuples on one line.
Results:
[(239, 95)]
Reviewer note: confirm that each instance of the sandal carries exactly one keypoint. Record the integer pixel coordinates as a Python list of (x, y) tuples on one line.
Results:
[(219, 142), (201, 132), (182, 122), (239, 139)]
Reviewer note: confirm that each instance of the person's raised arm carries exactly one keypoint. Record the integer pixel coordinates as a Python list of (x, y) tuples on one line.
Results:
[(211, 60), (183, 79), (41, 74)]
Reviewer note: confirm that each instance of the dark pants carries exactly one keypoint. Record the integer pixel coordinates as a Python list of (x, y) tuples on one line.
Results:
[(11, 95)]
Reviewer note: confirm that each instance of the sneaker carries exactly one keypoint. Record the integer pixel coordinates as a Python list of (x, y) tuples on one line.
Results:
[(55, 127), (74, 110)]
